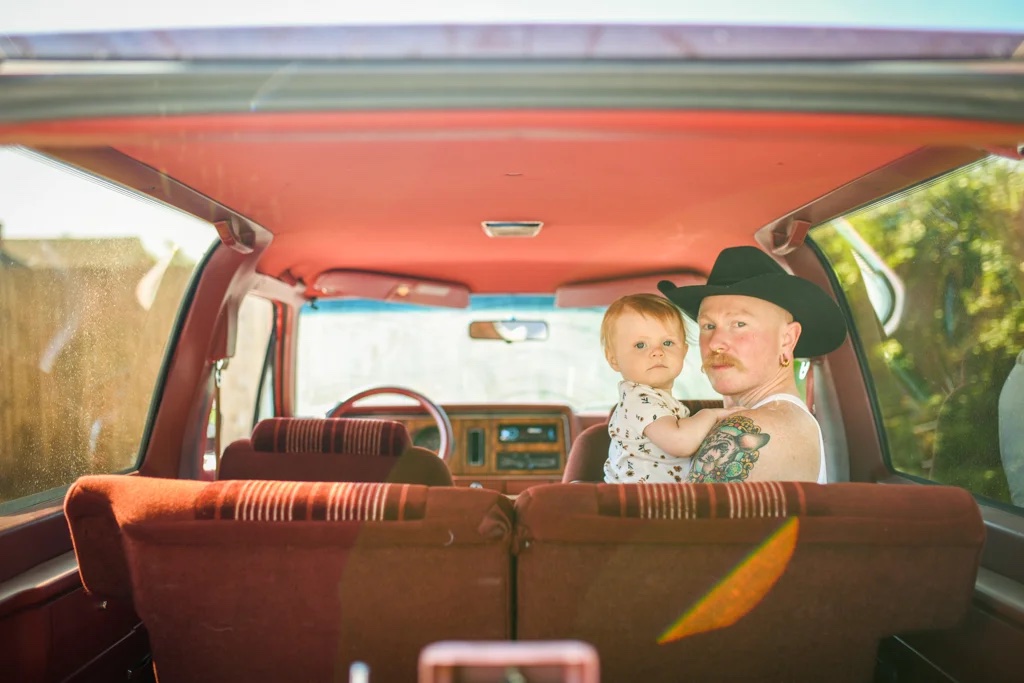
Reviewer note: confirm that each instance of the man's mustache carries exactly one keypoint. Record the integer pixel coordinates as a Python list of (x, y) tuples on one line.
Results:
[(721, 359)]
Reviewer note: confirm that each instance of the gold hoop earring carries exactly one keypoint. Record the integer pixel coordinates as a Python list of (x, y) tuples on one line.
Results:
[(783, 361)]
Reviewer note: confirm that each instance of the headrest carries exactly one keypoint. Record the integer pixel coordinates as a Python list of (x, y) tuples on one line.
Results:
[(331, 435)]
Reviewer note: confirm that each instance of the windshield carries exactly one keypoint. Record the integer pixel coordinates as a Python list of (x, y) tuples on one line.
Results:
[(349, 345)]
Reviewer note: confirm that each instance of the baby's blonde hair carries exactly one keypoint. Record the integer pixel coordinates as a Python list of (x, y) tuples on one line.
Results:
[(650, 305)]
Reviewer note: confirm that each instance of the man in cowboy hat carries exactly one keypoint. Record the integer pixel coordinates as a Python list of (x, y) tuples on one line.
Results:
[(754, 319)]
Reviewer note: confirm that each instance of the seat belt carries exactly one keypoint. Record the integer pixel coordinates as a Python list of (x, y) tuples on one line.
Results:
[(218, 369)]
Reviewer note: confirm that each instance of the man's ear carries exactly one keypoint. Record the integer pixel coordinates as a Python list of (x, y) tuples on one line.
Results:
[(790, 336)]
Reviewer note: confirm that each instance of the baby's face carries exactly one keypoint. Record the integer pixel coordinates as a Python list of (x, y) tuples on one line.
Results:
[(647, 350)]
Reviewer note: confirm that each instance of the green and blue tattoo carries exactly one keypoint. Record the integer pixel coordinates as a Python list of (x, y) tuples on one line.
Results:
[(728, 453)]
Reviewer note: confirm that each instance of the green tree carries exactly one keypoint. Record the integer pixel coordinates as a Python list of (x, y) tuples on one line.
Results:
[(954, 246)]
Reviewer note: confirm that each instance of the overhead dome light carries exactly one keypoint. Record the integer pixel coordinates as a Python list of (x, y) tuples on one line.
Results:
[(512, 228)]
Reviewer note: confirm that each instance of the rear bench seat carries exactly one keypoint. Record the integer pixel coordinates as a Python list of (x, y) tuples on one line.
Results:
[(293, 581), (619, 566), (260, 580)]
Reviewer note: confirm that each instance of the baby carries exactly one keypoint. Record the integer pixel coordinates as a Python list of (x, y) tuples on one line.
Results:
[(653, 435)]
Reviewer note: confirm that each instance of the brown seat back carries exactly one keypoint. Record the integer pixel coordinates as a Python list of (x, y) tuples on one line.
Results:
[(264, 580), (590, 449), (332, 449), (624, 566)]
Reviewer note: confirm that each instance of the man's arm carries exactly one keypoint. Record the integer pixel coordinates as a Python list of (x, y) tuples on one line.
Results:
[(773, 443), (682, 436)]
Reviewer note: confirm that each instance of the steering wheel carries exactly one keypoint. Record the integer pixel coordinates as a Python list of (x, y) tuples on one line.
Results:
[(444, 425)]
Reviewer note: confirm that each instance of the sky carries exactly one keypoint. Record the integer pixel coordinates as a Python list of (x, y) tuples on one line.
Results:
[(44, 16), (43, 201)]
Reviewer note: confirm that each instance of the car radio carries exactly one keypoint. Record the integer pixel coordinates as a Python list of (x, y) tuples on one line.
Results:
[(527, 433)]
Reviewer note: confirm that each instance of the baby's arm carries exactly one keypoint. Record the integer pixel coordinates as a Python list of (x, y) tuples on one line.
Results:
[(681, 436)]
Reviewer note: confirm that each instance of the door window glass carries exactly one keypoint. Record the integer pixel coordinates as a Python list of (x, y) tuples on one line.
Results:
[(91, 280), (934, 280)]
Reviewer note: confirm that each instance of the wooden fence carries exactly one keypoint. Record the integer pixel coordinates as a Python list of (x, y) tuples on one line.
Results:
[(80, 351)]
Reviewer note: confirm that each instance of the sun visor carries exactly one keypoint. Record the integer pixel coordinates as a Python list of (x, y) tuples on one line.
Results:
[(603, 292), (386, 287)]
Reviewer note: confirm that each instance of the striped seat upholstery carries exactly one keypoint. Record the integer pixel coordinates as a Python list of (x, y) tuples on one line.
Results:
[(706, 501), (781, 581), (292, 501), (330, 435)]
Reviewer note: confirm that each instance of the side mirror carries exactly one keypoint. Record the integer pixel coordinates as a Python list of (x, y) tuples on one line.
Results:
[(509, 330)]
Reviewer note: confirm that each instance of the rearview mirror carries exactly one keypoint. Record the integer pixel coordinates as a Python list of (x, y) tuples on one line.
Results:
[(509, 330)]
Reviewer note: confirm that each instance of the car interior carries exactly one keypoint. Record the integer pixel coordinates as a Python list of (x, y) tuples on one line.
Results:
[(302, 378)]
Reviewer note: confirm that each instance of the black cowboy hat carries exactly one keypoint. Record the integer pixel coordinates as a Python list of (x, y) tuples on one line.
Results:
[(748, 271)]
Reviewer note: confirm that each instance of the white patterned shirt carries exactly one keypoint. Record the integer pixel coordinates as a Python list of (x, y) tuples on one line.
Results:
[(632, 457)]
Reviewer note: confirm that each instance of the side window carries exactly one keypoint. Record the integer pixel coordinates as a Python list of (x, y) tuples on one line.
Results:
[(934, 280), (240, 381), (91, 280)]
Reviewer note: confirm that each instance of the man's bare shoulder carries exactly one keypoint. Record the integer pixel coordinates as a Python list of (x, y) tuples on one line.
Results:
[(784, 418), (777, 442)]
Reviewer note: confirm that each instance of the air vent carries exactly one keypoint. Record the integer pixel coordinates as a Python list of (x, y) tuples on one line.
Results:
[(476, 447), (512, 228)]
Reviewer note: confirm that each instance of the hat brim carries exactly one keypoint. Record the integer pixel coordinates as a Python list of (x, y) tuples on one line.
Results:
[(823, 327)]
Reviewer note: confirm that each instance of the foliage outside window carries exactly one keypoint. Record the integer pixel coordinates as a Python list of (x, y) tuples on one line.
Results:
[(934, 280), (91, 280)]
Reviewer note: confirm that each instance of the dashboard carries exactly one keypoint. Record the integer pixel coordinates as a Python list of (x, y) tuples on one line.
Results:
[(507, 449)]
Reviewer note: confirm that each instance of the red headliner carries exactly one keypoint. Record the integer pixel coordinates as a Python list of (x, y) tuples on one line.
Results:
[(619, 192)]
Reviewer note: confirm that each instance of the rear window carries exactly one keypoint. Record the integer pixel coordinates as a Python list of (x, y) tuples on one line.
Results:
[(91, 280), (934, 280)]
